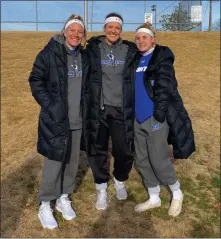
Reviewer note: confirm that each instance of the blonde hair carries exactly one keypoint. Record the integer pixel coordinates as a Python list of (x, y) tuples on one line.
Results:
[(75, 16), (147, 25)]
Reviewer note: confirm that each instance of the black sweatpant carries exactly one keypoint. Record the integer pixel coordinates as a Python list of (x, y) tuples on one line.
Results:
[(111, 124)]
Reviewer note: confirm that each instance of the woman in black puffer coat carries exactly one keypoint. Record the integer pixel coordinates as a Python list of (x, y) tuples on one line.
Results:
[(160, 119), (57, 82)]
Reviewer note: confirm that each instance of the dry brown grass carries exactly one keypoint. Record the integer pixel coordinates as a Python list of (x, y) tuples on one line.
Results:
[(198, 73)]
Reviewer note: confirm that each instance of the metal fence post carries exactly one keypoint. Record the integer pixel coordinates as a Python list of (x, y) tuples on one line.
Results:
[(85, 13), (36, 12)]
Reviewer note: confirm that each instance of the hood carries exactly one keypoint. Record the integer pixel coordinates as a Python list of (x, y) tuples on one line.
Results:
[(58, 46), (59, 38), (95, 39), (101, 38)]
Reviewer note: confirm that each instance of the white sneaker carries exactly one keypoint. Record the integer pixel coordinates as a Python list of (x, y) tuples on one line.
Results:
[(101, 203), (46, 217), (63, 205), (146, 206), (121, 192), (175, 207)]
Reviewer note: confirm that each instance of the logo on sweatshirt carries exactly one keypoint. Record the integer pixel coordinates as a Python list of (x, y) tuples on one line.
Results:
[(75, 67), (141, 69), (74, 73), (155, 127), (152, 82), (112, 61), (110, 56)]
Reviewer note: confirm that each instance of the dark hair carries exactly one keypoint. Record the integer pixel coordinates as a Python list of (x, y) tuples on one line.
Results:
[(114, 14), (75, 16), (147, 25)]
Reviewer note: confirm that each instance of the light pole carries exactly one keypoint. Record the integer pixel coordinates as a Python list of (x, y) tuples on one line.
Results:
[(154, 9), (36, 12), (85, 13), (201, 24), (144, 7), (92, 11), (210, 14)]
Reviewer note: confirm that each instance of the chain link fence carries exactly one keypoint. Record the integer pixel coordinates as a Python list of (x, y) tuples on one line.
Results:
[(51, 15)]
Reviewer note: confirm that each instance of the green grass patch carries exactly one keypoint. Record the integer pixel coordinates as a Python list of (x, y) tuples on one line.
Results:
[(161, 213), (203, 203), (217, 195), (93, 226), (59, 218), (203, 230), (188, 185), (216, 182), (190, 199), (200, 195)]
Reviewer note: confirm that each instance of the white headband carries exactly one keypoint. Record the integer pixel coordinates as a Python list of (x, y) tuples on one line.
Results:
[(113, 19), (73, 21), (148, 31)]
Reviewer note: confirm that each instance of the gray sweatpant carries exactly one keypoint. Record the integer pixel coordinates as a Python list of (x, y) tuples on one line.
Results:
[(153, 153), (59, 177)]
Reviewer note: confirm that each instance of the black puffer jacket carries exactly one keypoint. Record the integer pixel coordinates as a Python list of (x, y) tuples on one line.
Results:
[(48, 82), (95, 85), (168, 102)]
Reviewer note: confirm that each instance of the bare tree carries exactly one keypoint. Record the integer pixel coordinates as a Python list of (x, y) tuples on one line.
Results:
[(177, 21)]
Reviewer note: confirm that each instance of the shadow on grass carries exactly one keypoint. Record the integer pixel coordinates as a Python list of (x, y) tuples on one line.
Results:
[(82, 170), (19, 190), (121, 221), (16, 190)]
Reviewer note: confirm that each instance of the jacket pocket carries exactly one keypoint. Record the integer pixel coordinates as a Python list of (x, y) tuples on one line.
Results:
[(49, 127), (57, 111)]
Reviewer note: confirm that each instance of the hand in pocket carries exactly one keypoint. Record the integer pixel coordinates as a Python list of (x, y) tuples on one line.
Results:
[(57, 110)]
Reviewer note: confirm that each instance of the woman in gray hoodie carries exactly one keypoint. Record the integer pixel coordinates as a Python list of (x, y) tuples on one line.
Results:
[(58, 86), (110, 107)]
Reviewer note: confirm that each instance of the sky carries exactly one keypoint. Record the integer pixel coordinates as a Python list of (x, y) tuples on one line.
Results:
[(59, 11)]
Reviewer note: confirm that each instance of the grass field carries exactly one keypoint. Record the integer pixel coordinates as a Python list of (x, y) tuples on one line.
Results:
[(198, 72)]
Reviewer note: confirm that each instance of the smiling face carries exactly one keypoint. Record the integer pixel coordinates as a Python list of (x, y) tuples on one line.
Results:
[(74, 34), (144, 41), (112, 32)]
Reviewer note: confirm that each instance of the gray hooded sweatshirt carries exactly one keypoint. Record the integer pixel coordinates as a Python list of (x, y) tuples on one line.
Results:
[(112, 64), (74, 66)]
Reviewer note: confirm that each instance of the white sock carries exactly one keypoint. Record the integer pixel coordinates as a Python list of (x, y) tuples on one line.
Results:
[(177, 193), (45, 203), (154, 198), (63, 195), (154, 194), (101, 186)]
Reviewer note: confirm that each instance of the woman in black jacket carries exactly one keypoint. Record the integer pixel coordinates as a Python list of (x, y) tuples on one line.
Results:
[(110, 107), (160, 118), (57, 83)]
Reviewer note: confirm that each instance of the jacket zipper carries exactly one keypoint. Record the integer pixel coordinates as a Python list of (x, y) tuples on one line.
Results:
[(124, 72), (66, 104), (100, 72)]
